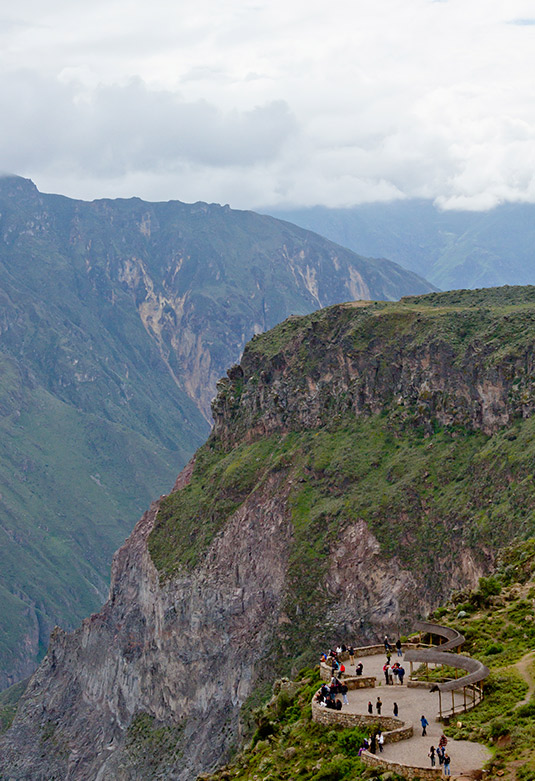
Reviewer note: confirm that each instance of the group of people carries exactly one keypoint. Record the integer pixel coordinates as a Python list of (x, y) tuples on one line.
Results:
[(327, 695), (376, 739), (440, 753), (394, 672)]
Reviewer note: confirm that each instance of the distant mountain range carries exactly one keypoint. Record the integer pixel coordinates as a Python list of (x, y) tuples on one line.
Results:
[(452, 249), (116, 320)]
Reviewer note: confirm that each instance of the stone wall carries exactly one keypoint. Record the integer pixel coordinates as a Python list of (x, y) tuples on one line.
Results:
[(407, 771), (327, 716), (353, 682)]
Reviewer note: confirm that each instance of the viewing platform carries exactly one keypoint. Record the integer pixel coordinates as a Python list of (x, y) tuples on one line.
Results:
[(404, 744)]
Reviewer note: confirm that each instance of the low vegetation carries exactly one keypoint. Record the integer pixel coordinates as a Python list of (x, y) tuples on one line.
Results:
[(288, 745)]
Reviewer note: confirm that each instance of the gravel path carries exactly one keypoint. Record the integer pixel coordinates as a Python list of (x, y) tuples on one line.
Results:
[(412, 704), (523, 666)]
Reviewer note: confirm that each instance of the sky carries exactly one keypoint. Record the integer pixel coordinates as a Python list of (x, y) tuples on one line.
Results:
[(278, 103)]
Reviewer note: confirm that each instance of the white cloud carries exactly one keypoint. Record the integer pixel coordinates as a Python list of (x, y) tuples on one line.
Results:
[(258, 103)]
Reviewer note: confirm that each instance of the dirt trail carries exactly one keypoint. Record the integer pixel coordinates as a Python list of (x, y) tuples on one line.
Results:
[(523, 666)]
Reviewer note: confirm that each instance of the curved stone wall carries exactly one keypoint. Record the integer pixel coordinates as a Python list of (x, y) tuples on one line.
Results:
[(407, 771), (388, 724)]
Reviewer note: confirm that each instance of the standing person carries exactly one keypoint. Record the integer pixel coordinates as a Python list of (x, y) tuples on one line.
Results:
[(378, 706), (380, 741), (398, 647), (386, 670), (387, 644), (343, 692), (370, 708), (351, 655), (447, 771), (373, 744), (425, 724), (395, 709), (401, 674), (431, 756)]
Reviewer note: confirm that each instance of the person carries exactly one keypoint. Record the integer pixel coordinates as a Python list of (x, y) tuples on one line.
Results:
[(342, 669), (335, 667), (447, 760), (388, 657), (440, 754), (398, 647), (373, 744), (401, 674), (378, 706), (387, 644), (425, 724), (395, 709), (351, 655), (359, 668), (380, 741), (370, 708), (343, 691), (431, 756), (395, 672), (338, 705), (386, 670)]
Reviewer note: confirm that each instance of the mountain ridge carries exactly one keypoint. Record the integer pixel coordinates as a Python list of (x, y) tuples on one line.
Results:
[(455, 249)]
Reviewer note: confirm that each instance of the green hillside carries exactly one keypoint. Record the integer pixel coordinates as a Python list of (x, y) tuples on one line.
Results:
[(116, 320)]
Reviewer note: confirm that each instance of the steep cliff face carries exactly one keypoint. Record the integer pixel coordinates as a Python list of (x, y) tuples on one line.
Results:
[(365, 461), (116, 320)]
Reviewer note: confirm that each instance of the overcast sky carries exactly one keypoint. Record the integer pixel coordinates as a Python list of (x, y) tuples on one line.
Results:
[(279, 102)]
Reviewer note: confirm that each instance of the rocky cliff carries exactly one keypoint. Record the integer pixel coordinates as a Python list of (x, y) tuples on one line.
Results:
[(365, 461), (116, 320)]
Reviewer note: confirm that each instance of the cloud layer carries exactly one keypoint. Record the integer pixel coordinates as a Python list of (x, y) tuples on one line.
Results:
[(256, 103)]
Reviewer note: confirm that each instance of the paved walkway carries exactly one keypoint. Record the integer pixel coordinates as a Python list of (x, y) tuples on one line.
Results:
[(412, 704)]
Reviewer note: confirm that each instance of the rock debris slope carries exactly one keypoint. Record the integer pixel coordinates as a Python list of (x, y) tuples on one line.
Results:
[(365, 460)]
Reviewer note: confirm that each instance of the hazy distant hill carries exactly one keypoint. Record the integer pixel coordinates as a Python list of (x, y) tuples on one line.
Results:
[(452, 249), (116, 320)]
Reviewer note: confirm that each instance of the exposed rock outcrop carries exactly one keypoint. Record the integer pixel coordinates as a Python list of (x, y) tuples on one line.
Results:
[(179, 647)]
